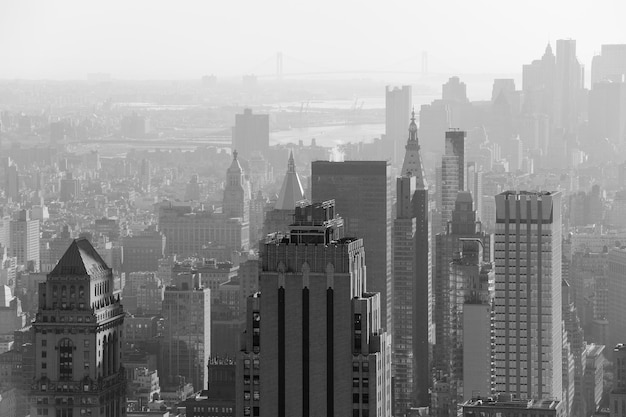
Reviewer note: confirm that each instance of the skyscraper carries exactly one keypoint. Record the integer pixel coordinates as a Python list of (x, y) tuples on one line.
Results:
[(251, 133), (568, 86), (398, 102), (617, 397), (409, 291), (617, 292), (77, 339), (362, 194), (609, 65), (452, 173), (12, 181), (187, 331), (24, 239), (236, 192), (462, 225), (528, 340), (314, 343)]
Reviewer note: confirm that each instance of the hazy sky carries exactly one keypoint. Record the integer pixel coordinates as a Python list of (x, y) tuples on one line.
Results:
[(186, 39)]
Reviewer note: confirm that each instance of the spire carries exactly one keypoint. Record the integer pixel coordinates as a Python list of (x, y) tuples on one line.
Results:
[(412, 166), (291, 191), (235, 166), (548, 51), (413, 127), (235, 154), (291, 165)]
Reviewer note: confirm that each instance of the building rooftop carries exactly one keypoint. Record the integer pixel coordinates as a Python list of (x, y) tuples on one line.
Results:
[(512, 404), (79, 259)]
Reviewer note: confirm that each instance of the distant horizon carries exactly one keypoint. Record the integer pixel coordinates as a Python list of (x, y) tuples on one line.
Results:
[(154, 40)]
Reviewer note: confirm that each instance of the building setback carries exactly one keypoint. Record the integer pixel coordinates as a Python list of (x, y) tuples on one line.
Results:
[(314, 344)]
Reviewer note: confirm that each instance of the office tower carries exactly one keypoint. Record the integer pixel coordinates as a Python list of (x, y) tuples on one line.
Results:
[(617, 292), (236, 192), (190, 232), (594, 377), (452, 173), (142, 251), (251, 133), (409, 291), (470, 308), (454, 90), (192, 190), (69, 189), (186, 333), (609, 65), (574, 337), (538, 84), (617, 397), (528, 340), (462, 225), (607, 110), (362, 194), (568, 86), (24, 240), (218, 398), (398, 102), (77, 339), (12, 181), (505, 406), (145, 174), (589, 279), (474, 184), (314, 343)]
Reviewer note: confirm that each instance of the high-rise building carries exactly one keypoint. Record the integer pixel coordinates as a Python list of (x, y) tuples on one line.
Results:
[(474, 184), (24, 240), (607, 110), (12, 181), (69, 189), (471, 298), (463, 224), (362, 194), (145, 174), (187, 332), (617, 292), (314, 343), (574, 337), (142, 251), (236, 192), (617, 397), (398, 103), (609, 65), (568, 86), (409, 291), (77, 339), (251, 133), (528, 339), (452, 173)]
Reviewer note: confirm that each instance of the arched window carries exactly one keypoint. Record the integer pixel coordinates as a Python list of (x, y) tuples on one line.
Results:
[(81, 291), (72, 291), (63, 291), (66, 363)]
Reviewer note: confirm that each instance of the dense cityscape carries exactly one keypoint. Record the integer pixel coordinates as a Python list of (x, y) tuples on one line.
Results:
[(285, 246)]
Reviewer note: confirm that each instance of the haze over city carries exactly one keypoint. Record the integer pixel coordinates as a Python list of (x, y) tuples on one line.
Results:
[(332, 208)]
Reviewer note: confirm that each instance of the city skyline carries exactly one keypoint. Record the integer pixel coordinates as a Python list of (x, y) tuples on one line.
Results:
[(128, 40)]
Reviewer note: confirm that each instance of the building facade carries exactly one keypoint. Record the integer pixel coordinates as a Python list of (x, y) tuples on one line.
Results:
[(77, 339), (528, 339), (362, 194), (314, 343)]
